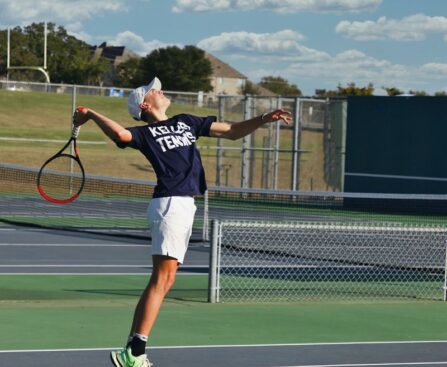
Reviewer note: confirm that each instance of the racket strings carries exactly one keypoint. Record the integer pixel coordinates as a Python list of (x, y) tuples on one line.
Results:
[(61, 178)]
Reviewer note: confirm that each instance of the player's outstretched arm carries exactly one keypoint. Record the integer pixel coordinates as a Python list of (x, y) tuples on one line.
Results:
[(111, 128), (240, 129)]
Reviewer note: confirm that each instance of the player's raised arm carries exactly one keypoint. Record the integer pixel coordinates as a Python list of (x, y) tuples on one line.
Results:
[(111, 128), (240, 129)]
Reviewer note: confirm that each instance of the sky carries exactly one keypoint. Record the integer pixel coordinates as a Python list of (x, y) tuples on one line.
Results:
[(315, 44)]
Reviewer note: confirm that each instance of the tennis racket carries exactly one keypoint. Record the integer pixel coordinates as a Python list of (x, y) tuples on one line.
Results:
[(61, 178)]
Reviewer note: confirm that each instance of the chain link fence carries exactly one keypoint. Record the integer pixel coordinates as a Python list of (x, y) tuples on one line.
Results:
[(306, 155), (265, 261)]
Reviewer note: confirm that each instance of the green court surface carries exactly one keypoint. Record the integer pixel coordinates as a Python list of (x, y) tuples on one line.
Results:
[(93, 311)]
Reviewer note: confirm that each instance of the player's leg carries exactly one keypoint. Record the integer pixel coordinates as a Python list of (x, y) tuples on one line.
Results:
[(161, 281), (146, 312), (171, 220)]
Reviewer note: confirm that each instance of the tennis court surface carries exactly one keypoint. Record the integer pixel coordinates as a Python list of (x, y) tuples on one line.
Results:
[(329, 355), (363, 286), (59, 308)]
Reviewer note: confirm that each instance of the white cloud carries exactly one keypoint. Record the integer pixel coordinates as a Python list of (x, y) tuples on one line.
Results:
[(24, 12), (412, 28), (435, 68), (76, 30), (137, 43), (279, 6), (360, 68), (260, 54), (352, 66), (284, 45)]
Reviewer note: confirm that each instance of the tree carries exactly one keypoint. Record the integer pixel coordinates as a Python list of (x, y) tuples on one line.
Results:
[(69, 59), (126, 73), (418, 93), (249, 88), (20, 54), (441, 93), (392, 91), (280, 86), (350, 90), (185, 69)]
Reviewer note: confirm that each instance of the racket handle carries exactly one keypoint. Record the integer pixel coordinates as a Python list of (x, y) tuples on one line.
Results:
[(75, 131)]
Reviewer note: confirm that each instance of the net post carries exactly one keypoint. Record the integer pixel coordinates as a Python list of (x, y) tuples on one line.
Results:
[(205, 226), (213, 291)]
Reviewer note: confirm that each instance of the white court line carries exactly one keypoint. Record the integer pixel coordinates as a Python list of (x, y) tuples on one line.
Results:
[(72, 266), (179, 273), (73, 245), (90, 266), (373, 364), (232, 346)]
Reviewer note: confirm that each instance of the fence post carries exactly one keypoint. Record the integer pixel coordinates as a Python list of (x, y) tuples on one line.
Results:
[(219, 151), (213, 289), (276, 153), (245, 170), (296, 145)]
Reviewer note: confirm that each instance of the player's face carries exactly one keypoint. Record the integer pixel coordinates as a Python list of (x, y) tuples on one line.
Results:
[(156, 99)]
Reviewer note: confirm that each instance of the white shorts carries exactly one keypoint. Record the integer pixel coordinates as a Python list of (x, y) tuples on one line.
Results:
[(170, 219)]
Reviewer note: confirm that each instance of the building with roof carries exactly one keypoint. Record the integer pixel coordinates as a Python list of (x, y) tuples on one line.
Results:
[(225, 79), (115, 55)]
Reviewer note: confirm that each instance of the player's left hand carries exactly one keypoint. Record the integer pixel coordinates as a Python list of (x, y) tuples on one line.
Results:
[(277, 115)]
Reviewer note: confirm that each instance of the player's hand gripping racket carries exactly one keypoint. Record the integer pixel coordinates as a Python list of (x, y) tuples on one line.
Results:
[(62, 177)]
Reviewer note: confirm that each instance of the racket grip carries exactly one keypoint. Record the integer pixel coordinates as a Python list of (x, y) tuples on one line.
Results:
[(75, 131)]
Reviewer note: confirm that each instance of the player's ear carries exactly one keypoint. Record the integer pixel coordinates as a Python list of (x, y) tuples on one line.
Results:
[(144, 106)]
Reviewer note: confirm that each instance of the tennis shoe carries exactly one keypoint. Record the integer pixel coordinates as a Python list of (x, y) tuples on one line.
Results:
[(125, 358)]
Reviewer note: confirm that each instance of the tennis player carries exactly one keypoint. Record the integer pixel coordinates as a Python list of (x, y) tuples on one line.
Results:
[(168, 143)]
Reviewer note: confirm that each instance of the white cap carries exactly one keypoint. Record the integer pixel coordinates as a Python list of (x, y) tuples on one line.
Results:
[(136, 97)]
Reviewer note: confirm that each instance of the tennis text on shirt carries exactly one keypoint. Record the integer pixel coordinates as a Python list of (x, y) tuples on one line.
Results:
[(171, 137)]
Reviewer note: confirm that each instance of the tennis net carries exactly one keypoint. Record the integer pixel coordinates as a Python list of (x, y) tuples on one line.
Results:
[(302, 244), (114, 203), (266, 261), (108, 205)]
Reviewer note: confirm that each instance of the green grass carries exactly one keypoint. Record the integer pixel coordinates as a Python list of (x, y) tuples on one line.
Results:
[(38, 115), (45, 312)]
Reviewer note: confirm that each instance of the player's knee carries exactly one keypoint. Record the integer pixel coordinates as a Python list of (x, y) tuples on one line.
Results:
[(169, 281), (163, 281)]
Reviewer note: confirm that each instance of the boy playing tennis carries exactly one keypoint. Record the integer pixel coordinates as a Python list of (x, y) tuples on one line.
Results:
[(169, 145)]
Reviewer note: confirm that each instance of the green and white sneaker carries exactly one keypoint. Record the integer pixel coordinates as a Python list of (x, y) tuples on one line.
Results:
[(124, 358)]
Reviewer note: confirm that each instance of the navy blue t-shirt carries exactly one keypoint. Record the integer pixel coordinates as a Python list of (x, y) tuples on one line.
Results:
[(169, 146)]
